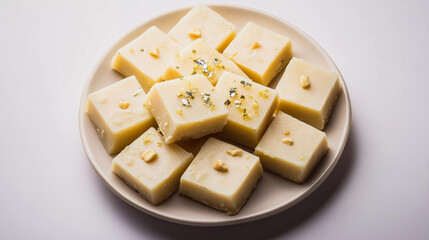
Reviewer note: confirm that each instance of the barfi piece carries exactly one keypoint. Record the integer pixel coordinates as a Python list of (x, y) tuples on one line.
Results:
[(186, 108), (152, 167), (199, 57), (260, 53), (146, 57), (221, 176), (202, 22), (250, 105), (118, 114), (308, 92), (291, 148)]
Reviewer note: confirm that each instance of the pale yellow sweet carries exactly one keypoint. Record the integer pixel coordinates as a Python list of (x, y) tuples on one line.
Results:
[(186, 108), (250, 105), (199, 57), (259, 52), (203, 22), (146, 57), (118, 114), (308, 92), (219, 179), (291, 148), (158, 178)]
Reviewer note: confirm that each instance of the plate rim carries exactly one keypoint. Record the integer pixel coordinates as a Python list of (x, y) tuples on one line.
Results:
[(252, 217)]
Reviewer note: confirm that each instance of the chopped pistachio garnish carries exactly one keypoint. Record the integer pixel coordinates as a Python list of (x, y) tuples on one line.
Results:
[(255, 45), (218, 63), (237, 104), (235, 152), (287, 133), (179, 111), (220, 166), (131, 50), (304, 81), (206, 99), (227, 102), (264, 93), (245, 84), (177, 67), (243, 97), (203, 66), (232, 91), (181, 77), (188, 94), (302, 158), (148, 155), (185, 102), (154, 51), (210, 74), (146, 138), (245, 115), (255, 104), (193, 73), (142, 50), (256, 114), (201, 63), (194, 51), (288, 141), (137, 92), (159, 144), (195, 33), (123, 104), (247, 157)]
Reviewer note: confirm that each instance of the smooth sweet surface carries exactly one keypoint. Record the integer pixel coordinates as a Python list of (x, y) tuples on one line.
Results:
[(118, 114), (146, 57), (190, 109), (312, 104), (158, 178), (259, 52), (225, 190), (291, 148), (201, 21), (199, 57), (250, 105)]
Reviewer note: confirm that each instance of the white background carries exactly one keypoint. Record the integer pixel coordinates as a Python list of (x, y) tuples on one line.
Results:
[(379, 189)]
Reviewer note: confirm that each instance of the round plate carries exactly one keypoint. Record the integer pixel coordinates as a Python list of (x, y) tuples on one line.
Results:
[(273, 193)]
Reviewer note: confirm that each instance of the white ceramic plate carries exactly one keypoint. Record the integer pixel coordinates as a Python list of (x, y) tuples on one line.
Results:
[(273, 194)]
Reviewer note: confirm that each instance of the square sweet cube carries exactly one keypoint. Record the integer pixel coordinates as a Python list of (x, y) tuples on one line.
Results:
[(199, 57), (221, 176), (308, 92), (250, 105), (203, 22), (291, 148), (186, 108), (118, 114), (152, 167), (259, 52), (146, 57)]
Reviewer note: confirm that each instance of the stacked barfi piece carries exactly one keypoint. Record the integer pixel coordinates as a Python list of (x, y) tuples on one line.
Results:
[(204, 84)]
